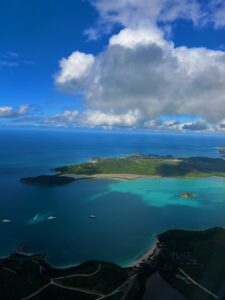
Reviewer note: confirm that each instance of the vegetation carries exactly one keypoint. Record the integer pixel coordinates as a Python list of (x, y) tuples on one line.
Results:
[(55, 293), (105, 281), (47, 180), (201, 255), (22, 276), (150, 165), (191, 261)]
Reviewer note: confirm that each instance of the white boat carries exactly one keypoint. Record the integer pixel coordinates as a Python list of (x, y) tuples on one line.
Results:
[(92, 217), (51, 218), (6, 221)]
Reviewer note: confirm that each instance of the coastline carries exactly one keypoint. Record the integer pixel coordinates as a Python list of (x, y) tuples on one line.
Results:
[(108, 176), (132, 176), (147, 254)]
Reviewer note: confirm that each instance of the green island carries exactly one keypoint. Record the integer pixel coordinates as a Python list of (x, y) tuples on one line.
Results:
[(149, 165), (192, 263), (134, 166)]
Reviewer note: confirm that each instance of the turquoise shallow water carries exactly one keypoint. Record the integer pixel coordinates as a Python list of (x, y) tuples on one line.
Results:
[(128, 213)]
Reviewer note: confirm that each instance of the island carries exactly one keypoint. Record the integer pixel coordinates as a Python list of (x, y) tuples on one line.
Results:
[(187, 195), (132, 167), (189, 264)]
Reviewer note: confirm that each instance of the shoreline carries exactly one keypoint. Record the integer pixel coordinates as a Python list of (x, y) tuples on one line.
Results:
[(108, 176), (147, 254), (131, 176)]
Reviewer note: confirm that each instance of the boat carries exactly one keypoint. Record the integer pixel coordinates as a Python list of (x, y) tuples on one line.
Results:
[(6, 221), (51, 218), (92, 217)]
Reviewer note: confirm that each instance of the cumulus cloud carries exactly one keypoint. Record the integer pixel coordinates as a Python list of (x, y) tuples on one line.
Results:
[(98, 118), (217, 13), (156, 79), (93, 119), (140, 70), (131, 119), (74, 70), (10, 112), (196, 126), (135, 13), (174, 125)]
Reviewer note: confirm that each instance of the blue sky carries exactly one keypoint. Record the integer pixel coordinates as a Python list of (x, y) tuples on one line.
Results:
[(40, 32), (35, 35)]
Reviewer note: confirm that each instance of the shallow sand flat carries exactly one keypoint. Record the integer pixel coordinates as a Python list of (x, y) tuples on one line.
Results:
[(158, 289), (108, 176)]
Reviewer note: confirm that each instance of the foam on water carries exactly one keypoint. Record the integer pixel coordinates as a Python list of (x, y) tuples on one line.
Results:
[(40, 217)]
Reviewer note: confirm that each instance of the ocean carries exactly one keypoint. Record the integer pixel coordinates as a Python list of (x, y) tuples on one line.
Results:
[(129, 214)]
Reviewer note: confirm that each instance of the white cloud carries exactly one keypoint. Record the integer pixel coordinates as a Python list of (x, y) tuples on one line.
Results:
[(133, 13), (196, 126), (6, 111), (156, 79), (98, 118), (74, 69), (91, 118), (23, 109), (217, 13), (131, 119), (142, 71), (10, 112), (199, 125), (130, 38), (66, 117)]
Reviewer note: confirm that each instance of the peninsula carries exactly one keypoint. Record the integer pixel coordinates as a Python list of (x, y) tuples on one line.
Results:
[(191, 263)]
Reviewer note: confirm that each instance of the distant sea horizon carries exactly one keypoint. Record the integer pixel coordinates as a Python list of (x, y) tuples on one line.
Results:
[(129, 214)]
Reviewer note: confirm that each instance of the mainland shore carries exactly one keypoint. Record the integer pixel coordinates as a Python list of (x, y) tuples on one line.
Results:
[(152, 250)]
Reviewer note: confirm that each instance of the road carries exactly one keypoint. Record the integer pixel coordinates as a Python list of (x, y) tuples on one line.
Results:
[(101, 296), (52, 282), (197, 284)]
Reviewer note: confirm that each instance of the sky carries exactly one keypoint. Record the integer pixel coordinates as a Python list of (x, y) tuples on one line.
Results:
[(125, 64)]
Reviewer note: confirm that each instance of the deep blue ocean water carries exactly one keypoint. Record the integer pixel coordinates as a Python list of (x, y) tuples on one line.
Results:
[(128, 213)]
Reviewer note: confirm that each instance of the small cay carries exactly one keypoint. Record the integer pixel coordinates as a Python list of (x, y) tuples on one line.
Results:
[(187, 195)]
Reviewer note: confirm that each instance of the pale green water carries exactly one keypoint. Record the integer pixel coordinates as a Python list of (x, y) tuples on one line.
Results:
[(163, 207)]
